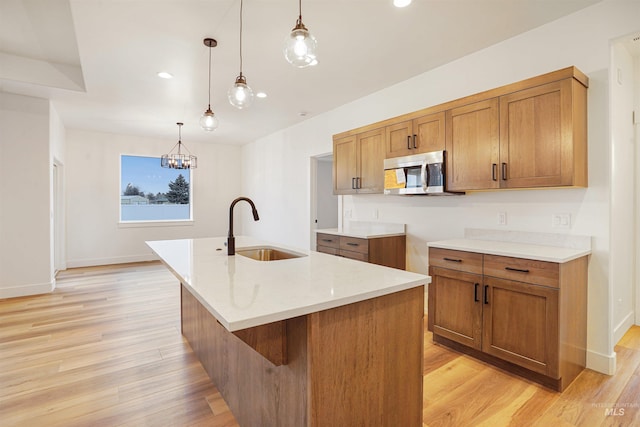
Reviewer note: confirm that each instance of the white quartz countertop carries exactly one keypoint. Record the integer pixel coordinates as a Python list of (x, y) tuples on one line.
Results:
[(512, 249), (366, 230), (241, 292)]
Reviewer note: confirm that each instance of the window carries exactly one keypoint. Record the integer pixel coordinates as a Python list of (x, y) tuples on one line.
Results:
[(149, 192)]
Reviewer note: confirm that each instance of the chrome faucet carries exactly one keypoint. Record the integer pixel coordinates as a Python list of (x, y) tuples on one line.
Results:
[(231, 240)]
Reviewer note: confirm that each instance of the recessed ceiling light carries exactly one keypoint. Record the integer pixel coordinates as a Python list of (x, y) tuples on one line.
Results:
[(261, 95), (165, 75), (401, 3)]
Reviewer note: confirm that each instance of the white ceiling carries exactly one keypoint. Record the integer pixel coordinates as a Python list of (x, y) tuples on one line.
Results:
[(97, 59)]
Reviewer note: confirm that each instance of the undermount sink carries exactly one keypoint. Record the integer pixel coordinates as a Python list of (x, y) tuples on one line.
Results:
[(268, 253)]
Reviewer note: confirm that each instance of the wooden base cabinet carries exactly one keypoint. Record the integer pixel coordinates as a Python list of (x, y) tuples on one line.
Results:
[(388, 251), (515, 313)]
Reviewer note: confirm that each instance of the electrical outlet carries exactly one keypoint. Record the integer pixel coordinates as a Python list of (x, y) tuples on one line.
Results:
[(561, 220), (347, 213), (375, 213), (502, 218)]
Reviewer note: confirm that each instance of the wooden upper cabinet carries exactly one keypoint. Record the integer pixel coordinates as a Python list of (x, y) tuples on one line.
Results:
[(421, 135), (528, 134), (358, 163), (543, 136), (345, 165), (371, 161), (472, 144)]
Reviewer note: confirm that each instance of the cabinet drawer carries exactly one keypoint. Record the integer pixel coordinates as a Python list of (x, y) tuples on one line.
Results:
[(354, 255), (327, 250), (329, 240), (353, 244), (470, 262), (522, 270)]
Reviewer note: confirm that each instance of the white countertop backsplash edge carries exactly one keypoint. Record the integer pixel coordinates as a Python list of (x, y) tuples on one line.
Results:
[(568, 241)]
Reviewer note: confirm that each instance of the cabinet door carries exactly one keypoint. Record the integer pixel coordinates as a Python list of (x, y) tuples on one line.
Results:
[(472, 144), (399, 139), (536, 137), (345, 161), (429, 133), (456, 307), (520, 324), (371, 161)]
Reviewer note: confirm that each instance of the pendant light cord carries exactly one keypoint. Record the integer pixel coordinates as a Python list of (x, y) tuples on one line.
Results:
[(209, 77), (241, 2)]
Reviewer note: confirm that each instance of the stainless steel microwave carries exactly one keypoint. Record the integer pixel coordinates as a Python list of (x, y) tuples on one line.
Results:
[(417, 174)]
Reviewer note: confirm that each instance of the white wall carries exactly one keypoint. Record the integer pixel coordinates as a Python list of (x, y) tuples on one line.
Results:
[(622, 253), (279, 163), (92, 163), (26, 260)]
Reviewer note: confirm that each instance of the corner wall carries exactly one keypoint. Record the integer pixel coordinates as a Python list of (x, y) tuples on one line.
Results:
[(26, 260), (581, 39)]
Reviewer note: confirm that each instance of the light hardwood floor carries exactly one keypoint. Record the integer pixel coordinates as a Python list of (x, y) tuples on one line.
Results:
[(105, 349)]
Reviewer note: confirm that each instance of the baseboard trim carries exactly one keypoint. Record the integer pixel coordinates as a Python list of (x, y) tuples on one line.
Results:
[(28, 289), (623, 327), (92, 262), (603, 363)]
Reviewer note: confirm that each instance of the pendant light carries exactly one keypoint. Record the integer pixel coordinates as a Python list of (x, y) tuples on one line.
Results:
[(300, 45), (209, 121), (179, 160), (240, 94)]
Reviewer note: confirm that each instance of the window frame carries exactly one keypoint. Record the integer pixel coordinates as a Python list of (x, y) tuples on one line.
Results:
[(151, 222)]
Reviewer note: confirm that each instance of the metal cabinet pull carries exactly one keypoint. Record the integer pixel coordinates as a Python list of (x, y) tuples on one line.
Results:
[(475, 292), (353, 244), (519, 270), (452, 259), (353, 185), (358, 182), (327, 240), (408, 142), (494, 172), (414, 141), (486, 294), (504, 171)]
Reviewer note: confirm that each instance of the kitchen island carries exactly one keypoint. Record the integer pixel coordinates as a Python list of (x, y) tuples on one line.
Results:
[(314, 340)]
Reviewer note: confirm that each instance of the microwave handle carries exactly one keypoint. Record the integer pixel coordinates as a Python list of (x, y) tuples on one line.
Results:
[(424, 175)]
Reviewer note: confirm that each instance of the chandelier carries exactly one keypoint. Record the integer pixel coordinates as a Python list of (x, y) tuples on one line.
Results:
[(178, 160)]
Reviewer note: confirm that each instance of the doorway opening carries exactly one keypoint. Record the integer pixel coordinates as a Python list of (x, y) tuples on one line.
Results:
[(324, 204)]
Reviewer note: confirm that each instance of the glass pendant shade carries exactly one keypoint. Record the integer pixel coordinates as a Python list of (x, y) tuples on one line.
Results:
[(209, 121), (240, 94), (300, 47)]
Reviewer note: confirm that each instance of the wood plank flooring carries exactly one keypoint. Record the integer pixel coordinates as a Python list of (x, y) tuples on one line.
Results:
[(105, 349)]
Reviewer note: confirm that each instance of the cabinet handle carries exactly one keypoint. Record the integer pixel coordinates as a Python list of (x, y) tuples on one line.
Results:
[(358, 182), (327, 240), (353, 244), (519, 270), (475, 292), (408, 142), (414, 141), (486, 294), (353, 185), (452, 259), (504, 171), (494, 172)]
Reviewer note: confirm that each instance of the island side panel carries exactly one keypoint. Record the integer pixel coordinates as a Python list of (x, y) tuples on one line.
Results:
[(365, 362), (256, 391)]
